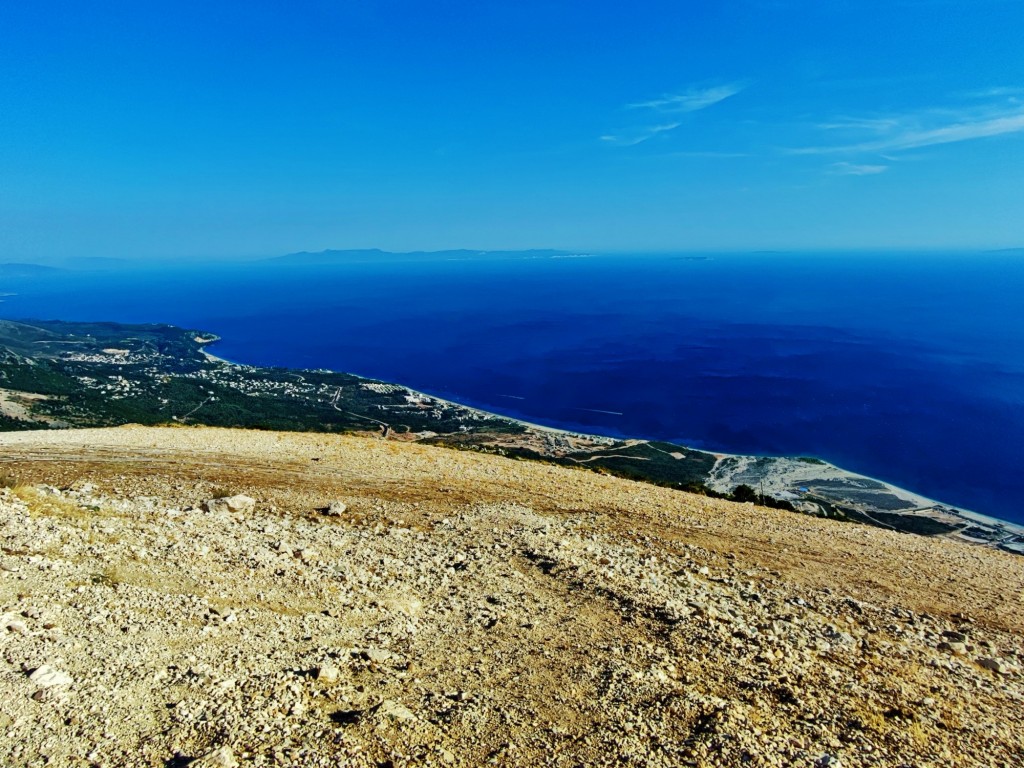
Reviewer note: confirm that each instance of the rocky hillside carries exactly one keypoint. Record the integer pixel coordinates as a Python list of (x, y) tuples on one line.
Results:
[(371, 603)]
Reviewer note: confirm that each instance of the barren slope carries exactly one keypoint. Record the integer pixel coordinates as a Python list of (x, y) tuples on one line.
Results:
[(468, 608)]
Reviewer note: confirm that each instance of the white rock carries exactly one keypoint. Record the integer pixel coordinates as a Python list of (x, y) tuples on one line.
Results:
[(222, 757), (46, 677), (336, 508), (18, 626), (379, 655), (328, 673), (238, 504), (392, 710)]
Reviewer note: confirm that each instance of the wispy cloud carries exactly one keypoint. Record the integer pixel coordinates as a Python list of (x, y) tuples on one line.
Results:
[(690, 100), (857, 169), (865, 124), (638, 136), (946, 125), (995, 93), (908, 132), (711, 153)]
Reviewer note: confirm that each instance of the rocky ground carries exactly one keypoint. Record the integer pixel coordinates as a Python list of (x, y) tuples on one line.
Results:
[(453, 608)]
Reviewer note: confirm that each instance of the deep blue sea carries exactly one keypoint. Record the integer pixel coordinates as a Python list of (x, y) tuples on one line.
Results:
[(906, 367)]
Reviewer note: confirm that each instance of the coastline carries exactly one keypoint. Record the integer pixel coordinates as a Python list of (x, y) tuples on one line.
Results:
[(451, 403), (922, 505), (920, 501)]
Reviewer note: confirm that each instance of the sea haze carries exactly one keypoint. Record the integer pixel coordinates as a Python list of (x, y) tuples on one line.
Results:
[(905, 367)]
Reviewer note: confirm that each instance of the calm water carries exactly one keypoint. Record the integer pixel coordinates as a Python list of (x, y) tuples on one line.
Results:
[(906, 367)]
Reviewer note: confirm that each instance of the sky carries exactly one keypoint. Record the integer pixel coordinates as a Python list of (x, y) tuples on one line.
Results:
[(193, 130)]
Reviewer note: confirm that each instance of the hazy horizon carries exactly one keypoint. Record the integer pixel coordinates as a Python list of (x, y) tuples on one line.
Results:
[(190, 260)]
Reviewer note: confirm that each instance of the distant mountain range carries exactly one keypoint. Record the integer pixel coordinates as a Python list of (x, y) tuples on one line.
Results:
[(375, 254)]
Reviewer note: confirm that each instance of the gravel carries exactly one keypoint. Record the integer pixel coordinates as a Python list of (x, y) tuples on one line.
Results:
[(524, 614)]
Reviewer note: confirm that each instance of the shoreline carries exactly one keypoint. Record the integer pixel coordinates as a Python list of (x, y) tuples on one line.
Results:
[(453, 403), (922, 503)]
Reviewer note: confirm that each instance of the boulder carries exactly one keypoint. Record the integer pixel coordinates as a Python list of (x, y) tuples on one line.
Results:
[(328, 673), (993, 664), (239, 503), (46, 677), (335, 508)]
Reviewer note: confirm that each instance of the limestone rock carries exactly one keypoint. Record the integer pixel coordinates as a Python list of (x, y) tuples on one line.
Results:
[(335, 508), (328, 673), (17, 626), (993, 664), (238, 504), (378, 655), (222, 757), (392, 710), (47, 677)]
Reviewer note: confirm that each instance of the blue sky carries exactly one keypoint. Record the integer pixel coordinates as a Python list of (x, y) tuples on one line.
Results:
[(198, 129)]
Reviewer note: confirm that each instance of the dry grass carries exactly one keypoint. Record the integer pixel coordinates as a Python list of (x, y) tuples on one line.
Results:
[(40, 502)]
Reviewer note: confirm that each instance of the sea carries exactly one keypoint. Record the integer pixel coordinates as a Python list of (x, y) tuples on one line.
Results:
[(907, 367)]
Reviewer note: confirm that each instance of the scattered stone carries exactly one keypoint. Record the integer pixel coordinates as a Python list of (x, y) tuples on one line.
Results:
[(376, 650), (956, 648), (392, 710), (238, 504), (47, 677), (222, 757), (17, 626), (328, 673), (378, 655), (994, 665)]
